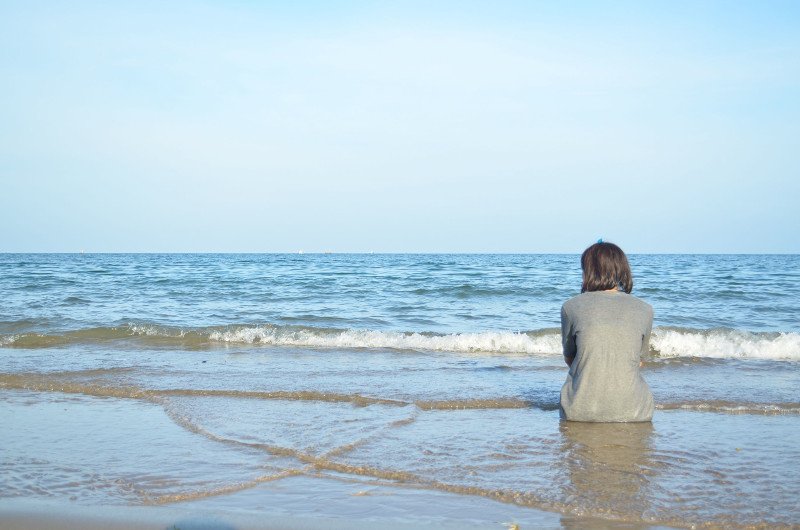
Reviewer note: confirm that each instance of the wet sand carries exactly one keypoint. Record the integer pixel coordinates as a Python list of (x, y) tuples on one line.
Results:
[(265, 436), (100, 462), (296, 503), (73, 460), (302, 503)]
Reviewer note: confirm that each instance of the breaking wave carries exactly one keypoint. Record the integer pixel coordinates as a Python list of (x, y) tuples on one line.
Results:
[(665, 341), (541, 342), (725, 343)]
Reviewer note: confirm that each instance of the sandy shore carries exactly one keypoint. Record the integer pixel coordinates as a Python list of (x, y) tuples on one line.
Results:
[(296, 503), (45, 516)]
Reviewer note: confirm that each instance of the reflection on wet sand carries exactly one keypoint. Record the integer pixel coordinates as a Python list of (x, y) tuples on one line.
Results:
[(610, 468)]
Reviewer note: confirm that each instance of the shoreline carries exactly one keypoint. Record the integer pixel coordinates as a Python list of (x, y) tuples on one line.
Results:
[(297, 503), (46, 514)]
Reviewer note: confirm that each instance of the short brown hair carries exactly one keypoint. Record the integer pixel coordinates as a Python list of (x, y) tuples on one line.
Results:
[(605, 267)]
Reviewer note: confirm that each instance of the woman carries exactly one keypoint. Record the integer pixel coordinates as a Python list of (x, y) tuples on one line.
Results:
[(605, 331)]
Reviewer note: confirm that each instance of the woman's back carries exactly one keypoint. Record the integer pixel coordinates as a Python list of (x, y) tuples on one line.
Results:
[(606, 332)]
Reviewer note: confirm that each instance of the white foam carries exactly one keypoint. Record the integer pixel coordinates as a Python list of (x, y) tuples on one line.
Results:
[(725, 343), (667, 342), (155, 331), (8, 340), (495, 342)]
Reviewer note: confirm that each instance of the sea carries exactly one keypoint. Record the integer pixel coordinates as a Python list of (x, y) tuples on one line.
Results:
[(424, 386)]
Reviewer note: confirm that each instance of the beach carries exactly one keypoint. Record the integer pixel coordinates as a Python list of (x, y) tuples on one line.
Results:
[(396, 391)]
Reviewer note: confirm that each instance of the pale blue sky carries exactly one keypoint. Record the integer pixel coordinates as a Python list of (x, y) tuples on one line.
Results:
[(356, 126)]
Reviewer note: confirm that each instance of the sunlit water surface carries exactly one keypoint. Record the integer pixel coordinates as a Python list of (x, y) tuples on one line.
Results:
[(148, 379)]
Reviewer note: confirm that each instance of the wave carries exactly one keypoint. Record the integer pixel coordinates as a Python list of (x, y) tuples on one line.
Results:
[(541, 342), (725, 343), (76, 383), (546, 341), (666, 342)]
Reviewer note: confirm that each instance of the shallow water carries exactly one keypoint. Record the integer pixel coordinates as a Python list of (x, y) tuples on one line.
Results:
[(145, 379)]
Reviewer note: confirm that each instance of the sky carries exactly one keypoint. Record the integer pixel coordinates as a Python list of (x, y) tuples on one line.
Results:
[(248, 126)]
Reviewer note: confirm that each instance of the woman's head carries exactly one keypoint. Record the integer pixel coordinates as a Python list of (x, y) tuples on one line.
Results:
[(605, 267)]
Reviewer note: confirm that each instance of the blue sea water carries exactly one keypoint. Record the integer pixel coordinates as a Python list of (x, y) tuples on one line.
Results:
[(437, 372), (716, 305)]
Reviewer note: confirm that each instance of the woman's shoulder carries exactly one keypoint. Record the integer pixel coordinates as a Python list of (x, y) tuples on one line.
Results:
[(578, 302), (573, 302), (641, 303)]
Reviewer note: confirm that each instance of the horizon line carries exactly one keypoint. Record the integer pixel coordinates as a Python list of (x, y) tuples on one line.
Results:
[(387, 253)]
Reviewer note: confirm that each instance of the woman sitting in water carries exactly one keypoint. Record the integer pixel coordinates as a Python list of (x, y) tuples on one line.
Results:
[(605, 331)]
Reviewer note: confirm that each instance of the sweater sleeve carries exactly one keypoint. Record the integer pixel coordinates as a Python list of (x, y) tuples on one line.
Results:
[(567, 335), (646, 336)]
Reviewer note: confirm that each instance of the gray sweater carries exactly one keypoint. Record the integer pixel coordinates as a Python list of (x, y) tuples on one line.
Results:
[(606, 332)]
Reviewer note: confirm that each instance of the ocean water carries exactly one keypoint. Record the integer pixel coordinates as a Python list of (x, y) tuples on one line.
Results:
[(168, 379)]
